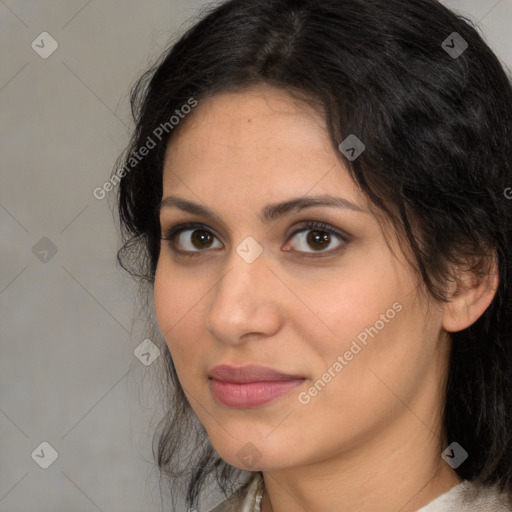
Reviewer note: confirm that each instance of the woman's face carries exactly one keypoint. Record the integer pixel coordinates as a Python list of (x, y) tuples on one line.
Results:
[(340, 315)]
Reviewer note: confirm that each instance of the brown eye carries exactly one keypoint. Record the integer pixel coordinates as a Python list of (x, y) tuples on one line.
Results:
[(191, 238), (316, 237), (201, 238)]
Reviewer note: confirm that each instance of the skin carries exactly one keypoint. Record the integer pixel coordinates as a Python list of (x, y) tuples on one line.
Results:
[(373, 434)]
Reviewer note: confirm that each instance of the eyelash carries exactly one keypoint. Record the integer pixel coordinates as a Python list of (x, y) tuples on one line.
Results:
[(172, 233)]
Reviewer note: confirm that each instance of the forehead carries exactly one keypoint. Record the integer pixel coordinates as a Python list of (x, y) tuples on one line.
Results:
[(259, 139)]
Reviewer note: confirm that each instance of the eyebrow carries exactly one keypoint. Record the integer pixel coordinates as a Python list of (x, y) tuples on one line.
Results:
[(269, 212)]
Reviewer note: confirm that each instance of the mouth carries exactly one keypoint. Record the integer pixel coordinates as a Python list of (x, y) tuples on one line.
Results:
[(250, 386)]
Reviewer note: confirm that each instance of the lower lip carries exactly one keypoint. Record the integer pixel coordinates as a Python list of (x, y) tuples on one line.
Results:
[(251, 394)]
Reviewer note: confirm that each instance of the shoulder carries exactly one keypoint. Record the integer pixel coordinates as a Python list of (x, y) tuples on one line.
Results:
[(245, 499), (470, 497)]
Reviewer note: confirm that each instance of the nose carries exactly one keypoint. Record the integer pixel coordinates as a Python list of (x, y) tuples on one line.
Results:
[(244, 302)]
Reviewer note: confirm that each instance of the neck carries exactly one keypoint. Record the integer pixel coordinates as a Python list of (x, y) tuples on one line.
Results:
[(397, 472)]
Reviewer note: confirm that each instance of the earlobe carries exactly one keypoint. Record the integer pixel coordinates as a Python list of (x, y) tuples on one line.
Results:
[(472, 295)]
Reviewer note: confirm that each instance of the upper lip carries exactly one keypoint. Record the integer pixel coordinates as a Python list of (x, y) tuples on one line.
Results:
[(249, 373)]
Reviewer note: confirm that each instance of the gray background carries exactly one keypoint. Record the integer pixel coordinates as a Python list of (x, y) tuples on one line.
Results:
[(68, 373)]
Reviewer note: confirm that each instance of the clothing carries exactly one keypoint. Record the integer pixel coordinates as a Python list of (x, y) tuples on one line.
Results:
[(248, 501), (464, 497)]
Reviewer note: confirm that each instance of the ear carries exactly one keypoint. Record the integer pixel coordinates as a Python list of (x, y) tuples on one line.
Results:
[(471, 295)]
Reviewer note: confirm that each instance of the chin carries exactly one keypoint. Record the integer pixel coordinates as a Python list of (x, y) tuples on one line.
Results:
[(254, 455)]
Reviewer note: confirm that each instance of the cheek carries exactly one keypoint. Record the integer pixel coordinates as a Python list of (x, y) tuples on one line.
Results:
[(357, 378), (164, 300), (171, 306), (351, 300), (382, 354), (173, 296), (373, 319), (177, 307)]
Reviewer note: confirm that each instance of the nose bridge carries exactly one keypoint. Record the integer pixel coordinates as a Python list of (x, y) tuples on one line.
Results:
[(242, 300)]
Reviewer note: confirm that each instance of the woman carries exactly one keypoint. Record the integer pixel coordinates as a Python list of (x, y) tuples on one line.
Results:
[(316, 195)]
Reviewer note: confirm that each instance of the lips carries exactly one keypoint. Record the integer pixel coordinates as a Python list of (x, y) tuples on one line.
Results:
[(250, 386), (250, 373)]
